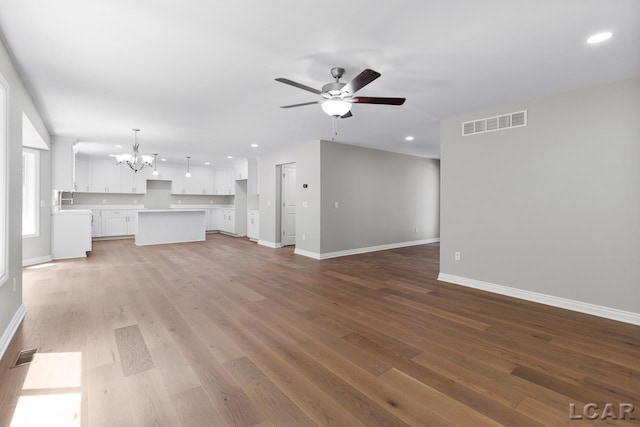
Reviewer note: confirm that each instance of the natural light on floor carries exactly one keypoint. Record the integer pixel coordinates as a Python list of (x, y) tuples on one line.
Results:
[(51, 393)]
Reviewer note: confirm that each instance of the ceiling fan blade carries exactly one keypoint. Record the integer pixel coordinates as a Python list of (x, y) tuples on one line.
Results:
[(378, 100), (298, 85), (360, 81), (346, 115), (300, 105)]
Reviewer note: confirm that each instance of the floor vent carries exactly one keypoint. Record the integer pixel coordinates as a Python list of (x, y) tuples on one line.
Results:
[(491, 124), (25, 357)]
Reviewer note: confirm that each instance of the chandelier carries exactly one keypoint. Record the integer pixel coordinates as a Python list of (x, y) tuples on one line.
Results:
[(135, 161)]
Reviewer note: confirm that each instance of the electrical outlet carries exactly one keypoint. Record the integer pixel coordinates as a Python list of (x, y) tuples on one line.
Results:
[(104, 201), (15, 284), (135, 201), (268, 203), (416, 230), (336, 205), (304, 236), (457, 256), (305, 204)]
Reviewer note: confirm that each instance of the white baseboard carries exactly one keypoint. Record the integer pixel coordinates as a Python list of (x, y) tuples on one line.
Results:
[(11, 329), (309, 254), (269, 244), (569, 304), (34, 261), (364, 250)]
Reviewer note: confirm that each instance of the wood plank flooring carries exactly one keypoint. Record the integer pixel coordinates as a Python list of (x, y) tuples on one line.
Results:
[(228, 333)]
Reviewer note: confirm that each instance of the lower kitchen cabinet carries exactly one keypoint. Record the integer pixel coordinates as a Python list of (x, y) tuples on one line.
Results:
[(96, 223), (108, 223), (213, 219), (228, 221)]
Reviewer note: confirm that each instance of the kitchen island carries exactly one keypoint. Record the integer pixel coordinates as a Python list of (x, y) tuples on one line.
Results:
[(161, 226)]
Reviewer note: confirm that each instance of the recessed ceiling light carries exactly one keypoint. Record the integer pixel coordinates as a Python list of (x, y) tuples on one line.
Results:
[(163, 160), (207, 163), (408, 138), (254, 145), (118, 146), (229, 157), (599, 38)]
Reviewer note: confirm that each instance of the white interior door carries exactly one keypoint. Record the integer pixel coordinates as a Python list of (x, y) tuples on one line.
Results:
[(289, 204)]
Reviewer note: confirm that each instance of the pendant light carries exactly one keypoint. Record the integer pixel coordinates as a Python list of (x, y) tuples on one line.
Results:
[(188, 174), (135, 161)]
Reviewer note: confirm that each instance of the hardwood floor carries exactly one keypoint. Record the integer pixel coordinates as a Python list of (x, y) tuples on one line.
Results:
[(225, 332)]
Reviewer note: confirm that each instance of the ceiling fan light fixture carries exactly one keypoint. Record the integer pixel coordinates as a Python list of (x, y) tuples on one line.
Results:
[(336, 107), (600, 37)]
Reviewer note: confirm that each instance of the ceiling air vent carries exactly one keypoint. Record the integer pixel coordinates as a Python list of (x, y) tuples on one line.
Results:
[(490, 124)]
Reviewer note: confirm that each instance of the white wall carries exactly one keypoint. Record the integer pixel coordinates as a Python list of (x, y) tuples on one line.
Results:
[(551, 208), (19, 102), (382, 198)]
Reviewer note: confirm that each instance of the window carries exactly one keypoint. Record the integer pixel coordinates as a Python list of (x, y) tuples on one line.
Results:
[(30, 196), (4, 187)]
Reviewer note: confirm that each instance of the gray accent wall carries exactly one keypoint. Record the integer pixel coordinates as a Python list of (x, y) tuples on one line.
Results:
[(19, 102), (382, 197), (553, 207)]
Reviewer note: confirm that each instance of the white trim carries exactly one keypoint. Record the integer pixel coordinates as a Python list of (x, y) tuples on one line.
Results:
[(5, 119), (568, 304), (36, 190), (364, 250), (269, 244), (38, 260), (309, 254), (11, 329)]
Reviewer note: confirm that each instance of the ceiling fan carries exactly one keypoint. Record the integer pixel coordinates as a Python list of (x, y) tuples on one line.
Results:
[(337, 97)]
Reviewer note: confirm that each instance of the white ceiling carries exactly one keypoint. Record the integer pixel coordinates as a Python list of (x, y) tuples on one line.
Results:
[(197, 76)]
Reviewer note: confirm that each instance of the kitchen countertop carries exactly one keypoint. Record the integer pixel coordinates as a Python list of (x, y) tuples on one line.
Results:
[(169, 210)]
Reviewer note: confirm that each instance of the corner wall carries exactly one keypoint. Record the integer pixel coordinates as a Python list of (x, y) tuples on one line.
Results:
[(550, 210), (11, 308), (307, 159)]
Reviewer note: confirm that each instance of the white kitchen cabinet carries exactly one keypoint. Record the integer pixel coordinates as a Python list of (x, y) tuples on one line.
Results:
[(96, 223), (241, 169), (228, 221), (119, 222), (253, 225), (201, 181), (82, 175), (105, 177), (70, 233), (134, 182), (225, 183), (213, 219)]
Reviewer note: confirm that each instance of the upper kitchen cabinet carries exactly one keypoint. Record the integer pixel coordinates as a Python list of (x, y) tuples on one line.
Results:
[(225, 182), (82, 174), (105, 176), (134, 182), (200, 182), (241, 169)]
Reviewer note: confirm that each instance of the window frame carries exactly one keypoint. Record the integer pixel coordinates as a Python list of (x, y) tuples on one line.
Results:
[(36, 192)]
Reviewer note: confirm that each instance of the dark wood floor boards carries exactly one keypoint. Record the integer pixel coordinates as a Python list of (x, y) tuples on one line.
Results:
[(225, 332)]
